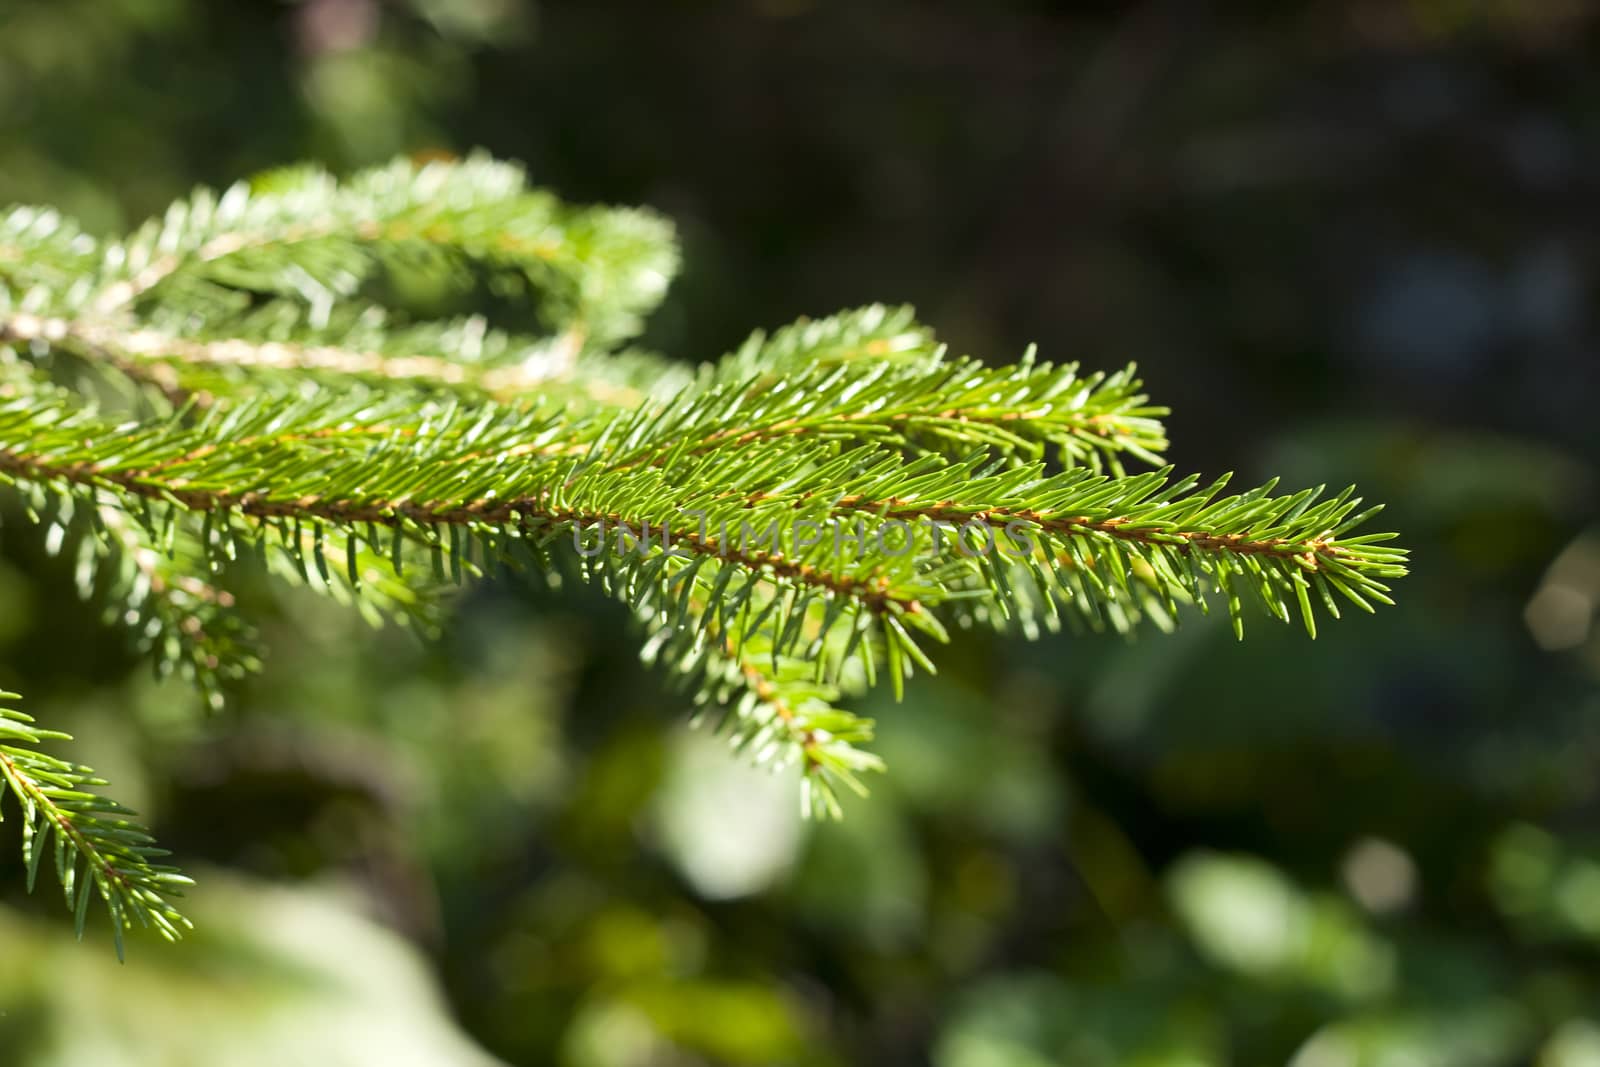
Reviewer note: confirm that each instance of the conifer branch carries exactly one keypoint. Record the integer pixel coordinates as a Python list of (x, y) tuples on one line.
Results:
[(777, 707), (1097, 528), (500, 367), (300, 232), (935, 405), (163, 595), (47, 262), (118, 857), (790, 524)]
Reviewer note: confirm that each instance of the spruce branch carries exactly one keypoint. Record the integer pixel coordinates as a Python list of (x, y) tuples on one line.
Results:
[(780, 713), (727, 640), (300, 232), (455, 469), (165, 595), (1112, 549), (873, 333), (927, 404), (96, 848), (413, 486), (790, 524), (935, 404), (478, 363), (47, 262), (297, 251)]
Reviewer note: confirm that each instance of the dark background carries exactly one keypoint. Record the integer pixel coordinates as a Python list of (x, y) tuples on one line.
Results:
[(1345, 241)]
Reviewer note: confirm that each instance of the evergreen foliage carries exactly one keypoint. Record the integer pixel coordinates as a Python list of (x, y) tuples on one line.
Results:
[(95, 849), (269, 379)]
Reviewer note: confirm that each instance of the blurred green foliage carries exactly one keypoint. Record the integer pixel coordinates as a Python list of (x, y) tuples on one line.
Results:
[(1345, 240)]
